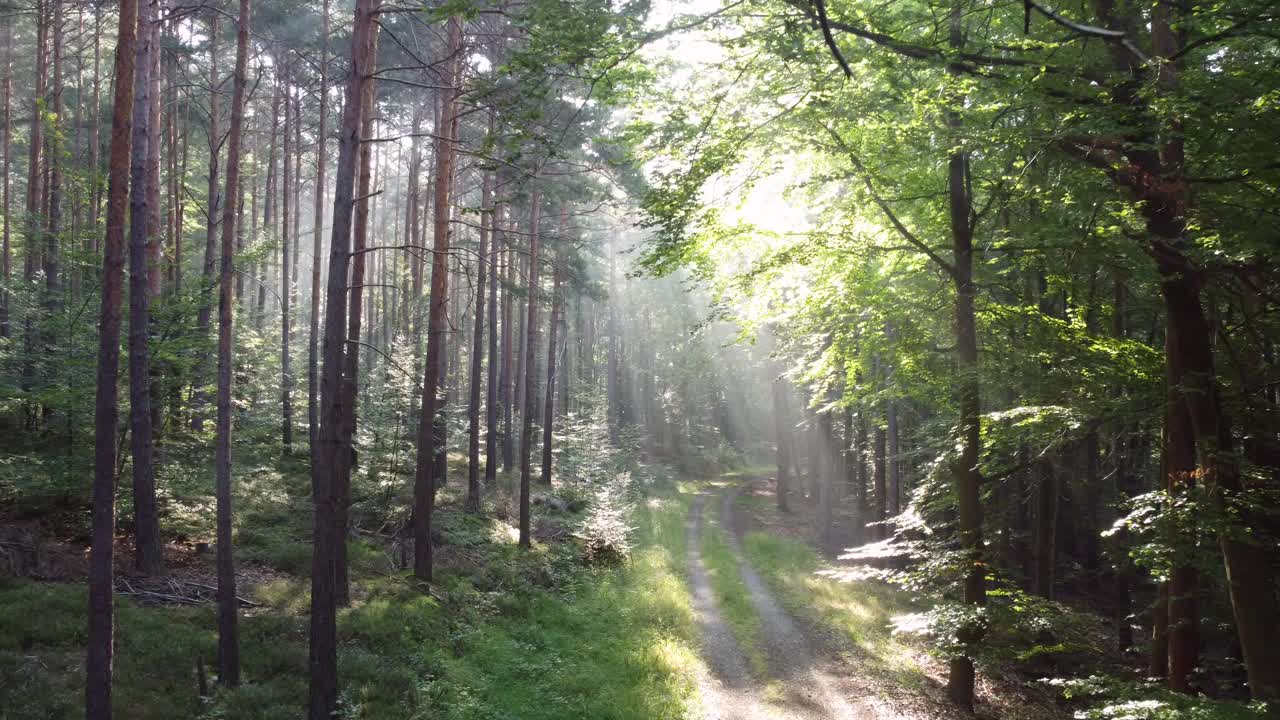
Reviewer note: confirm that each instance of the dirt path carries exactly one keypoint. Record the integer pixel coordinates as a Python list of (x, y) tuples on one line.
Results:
[(802, 682)]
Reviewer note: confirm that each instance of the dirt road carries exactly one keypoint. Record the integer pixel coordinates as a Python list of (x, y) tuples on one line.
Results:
[(802, 681)]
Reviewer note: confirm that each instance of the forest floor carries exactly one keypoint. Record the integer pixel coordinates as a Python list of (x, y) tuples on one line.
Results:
[(723, 609)]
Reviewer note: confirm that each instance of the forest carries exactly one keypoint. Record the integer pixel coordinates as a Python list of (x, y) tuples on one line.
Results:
[(639, 359)]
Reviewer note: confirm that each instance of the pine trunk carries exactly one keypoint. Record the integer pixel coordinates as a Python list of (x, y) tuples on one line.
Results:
[(228, 622), (477, 348), (530, 367), (147, 555), (286, 283), (548, 403), (313, 360), (323, 654), (98, 664), (437, 326)]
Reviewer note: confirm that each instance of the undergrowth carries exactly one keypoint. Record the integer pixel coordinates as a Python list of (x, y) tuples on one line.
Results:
[(505, 632)]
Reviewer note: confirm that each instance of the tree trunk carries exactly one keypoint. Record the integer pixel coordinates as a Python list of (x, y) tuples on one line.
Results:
[(491, 414), (6, 259), (228, 630), (614, 412), (968, 477), (521, 350), (1158, 666), (880, 510), (783, 431), (477, 348), (437, 325), (106, 404), (147, 554), (1047, 504), (155, 230), (1183, 614), (508, 432), (53, 287), (894, 488), (313, 361), (35, 208), (286, 283), (530, 365), (826, 476), (548, 403), (323, 655), (345, 458), (212, 202)]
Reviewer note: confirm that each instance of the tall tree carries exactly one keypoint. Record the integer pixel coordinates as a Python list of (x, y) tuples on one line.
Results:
[(228, 620), (425, 480), (494, 398), (968, 476), (477, 347), (782, 433), (317, 231), (147, 552), (351, 358), (98, 664), (548, 403), (530, 363), (323, 662), (286, 281), (6, 258), (212, 216)]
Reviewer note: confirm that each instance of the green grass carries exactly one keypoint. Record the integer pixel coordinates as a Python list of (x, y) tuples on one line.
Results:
[(860, 613), (622, 648), (509, 633), (732, 597)]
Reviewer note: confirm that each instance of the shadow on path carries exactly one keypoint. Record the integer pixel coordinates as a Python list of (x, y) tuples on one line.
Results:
[(803, 683)]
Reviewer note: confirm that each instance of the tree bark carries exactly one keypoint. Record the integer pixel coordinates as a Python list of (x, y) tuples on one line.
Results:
[(491, 414), (286, 282), (1046, 528), (35, 207), (477, 349), (968, 477), (351, 351), (212, 213), (228, 622), (147, 554), (530, 365), (1183, 614), (99, 654), (6, 259), (313, 361), (880, 510), (508, 431), (437, 326), (548, 403), (614, 411), (783, 432), (323, 654), (53, 230)]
